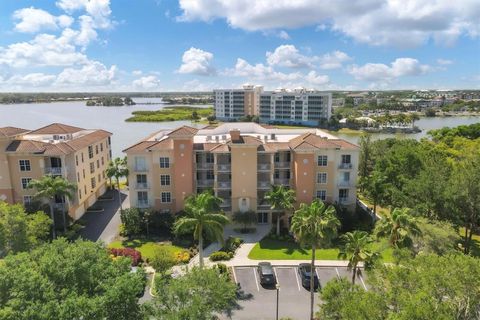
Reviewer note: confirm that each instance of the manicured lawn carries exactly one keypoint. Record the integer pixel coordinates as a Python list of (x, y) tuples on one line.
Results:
[(145, 246), (269, 249)]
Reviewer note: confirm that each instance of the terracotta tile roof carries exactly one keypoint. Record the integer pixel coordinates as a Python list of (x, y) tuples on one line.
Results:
[(183, 131), (222, 148), (140, 146), (310, 141), (345, 144), (276, 146), (165, 144), (57, 128), (11, 131), (246, 140), (86, 140)]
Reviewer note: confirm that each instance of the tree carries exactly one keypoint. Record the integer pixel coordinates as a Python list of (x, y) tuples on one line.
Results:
[(211, 118), (20, 231), (375, 188), (163, 259), (438, 237), (132, 221), (47, 188), (204, 218), (195, 116), (366, 164), (426, 287), (245, 218), (64, 280), (199, 295), (314, 225), (280, 198), (355, 250), (118, 169), (399, 228)]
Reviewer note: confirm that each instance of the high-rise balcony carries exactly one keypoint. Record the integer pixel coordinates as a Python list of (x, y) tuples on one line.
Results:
[(344, 183), (142, 185), (143, 204), (282, 165), (224, 185), (207, 183), (56, 171), (204, 165), (263, 167), (140, 169), (345, 165), (282, 182), (343, 200), (224, 167), (263, 185)]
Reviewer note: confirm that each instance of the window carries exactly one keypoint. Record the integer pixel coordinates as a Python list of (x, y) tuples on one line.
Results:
[(142, 196), (166, 197), (346, 176), (85, 189), (24, 165), (322, 161), (79, 194), (83, 173), (343, 194), (98, 178), (103, 174), (96, 149), (165, 180), (101, 147), (78, 176), (82, 157), (92, 167), (209, 158), (26, 182), (140, 164), (210, 175), (322, 177), (27, 199), (141, 179), (90, 152), (276, 174), (346, 158), (322, 195), (277, 157), (103, 161), (164, 162), (93, 182), (76, 160), (109, 141), (98, 164)]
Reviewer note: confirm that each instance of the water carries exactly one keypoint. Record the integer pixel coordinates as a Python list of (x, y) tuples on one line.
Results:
[(125, 134), (75, 113)]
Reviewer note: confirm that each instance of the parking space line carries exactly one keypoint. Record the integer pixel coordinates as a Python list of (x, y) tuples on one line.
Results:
[(296, 278), (256, 279), (338, 273), (363, 283), (276, 276), (234, 275)]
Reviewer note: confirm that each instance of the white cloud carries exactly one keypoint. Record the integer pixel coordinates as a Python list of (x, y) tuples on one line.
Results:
[(146, 83), (288, 56), (99, 10), (382, 72), (33, 20), (333, 60), (90, 75), (377, 22), (444, 62), (283, 35), (260, 71), (197, 61), (316, 79), (32, 80), (137, 72)]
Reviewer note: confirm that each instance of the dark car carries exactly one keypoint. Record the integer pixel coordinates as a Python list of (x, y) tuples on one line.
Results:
[(265, 272), (305, 271)]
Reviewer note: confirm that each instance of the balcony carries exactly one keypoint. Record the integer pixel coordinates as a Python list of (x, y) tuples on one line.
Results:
[(56, 171), (264, 205), (204, 166), (140, 169), (226, 205), (206, 183), (345, 166), (264, 185), (142, 204), (343, 200), (283, 182), (282, 165), (343, 183), (224, 185), (141, 185), (224, 168), (264, 167)]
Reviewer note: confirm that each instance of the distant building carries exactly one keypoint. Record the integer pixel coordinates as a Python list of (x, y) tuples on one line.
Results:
[(299, 105), (240, 162), (79, 155)]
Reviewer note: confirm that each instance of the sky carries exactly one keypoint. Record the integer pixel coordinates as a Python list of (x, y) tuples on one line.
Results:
[(199, 45)]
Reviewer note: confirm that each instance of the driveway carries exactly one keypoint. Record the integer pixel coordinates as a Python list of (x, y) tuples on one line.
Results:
[(104, 225)]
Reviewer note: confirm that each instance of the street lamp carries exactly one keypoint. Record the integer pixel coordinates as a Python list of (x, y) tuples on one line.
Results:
[(277, 287)]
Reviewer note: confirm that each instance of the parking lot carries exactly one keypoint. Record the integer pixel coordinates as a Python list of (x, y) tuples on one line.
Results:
[(258, 302)]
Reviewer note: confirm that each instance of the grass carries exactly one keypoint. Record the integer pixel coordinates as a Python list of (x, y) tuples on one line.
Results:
[(145, 246), (269, 249), (169, 114), (475, 245)]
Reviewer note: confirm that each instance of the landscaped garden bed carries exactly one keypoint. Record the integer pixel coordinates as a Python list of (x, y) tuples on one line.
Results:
[(147, 248)]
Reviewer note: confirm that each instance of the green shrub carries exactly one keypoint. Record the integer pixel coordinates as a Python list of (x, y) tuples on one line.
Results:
[(232, 244), (220, 256), (222, 268)]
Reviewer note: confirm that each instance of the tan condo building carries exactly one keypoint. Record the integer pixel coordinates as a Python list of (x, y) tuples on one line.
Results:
[(240, 162), (79, 155)]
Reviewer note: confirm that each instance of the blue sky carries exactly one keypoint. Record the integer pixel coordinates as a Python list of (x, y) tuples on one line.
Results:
[(190, 45)]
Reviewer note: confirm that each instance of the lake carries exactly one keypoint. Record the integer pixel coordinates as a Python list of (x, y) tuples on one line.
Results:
[(36, 115)]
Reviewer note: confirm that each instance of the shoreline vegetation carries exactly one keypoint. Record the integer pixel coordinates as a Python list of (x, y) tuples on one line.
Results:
[(110, 102), (171, 114)]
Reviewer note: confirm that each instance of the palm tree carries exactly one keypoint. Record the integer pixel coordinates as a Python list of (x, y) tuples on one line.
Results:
[(314, 225), (204, 218), (413, 117), (355, 250), (47, 188), (280, 198), (118, 169), (375, 188), (398, 228)]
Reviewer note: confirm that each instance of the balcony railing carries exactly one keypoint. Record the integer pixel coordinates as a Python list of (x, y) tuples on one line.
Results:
[(264, 205), (224, 185), (263, 185), (345, 166), (343, 183), (226, 204), (205, 183), (343, 200), (141, 185), (224, 167), (143, 204), (263, 167), (282, 165), (54, 170), (204, 166), (283, 182), (140, 169)]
